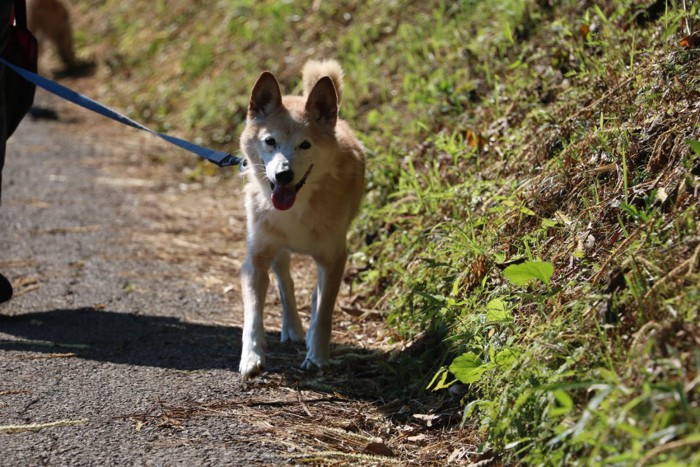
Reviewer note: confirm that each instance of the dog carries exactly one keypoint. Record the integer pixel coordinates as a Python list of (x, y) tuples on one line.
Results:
[(50, 19), (305, 171)]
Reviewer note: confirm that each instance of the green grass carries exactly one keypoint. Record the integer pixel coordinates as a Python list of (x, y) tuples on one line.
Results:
[(500, 133)]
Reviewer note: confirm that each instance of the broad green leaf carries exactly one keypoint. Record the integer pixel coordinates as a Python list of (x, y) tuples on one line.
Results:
[(521, 274), (496, 311), (506, 357), (468, 368)]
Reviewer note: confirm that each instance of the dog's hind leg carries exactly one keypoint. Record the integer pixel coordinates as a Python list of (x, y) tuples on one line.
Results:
[(318, 337), (254, 283), (292, 329)]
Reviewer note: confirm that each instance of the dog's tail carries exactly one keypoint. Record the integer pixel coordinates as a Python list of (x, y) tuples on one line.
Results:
[(317, 69)]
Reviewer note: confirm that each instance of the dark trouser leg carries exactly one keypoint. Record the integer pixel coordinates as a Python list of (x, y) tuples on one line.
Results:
[(5, 6)]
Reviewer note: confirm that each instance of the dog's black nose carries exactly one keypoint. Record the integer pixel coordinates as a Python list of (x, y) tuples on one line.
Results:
[(284, 178)]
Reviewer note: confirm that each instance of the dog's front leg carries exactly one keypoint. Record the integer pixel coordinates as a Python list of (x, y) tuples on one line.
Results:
[(254, 283), (318, 337)]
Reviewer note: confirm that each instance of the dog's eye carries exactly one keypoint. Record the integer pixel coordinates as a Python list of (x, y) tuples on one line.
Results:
[(304, 145), (270, 142)]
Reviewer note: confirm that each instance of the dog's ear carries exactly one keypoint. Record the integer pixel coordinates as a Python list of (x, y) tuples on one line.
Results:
[(322, 104), (266, 96)]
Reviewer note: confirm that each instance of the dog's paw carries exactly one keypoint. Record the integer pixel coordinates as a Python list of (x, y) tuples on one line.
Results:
[(251, 365), (313, 363), (308, 365)]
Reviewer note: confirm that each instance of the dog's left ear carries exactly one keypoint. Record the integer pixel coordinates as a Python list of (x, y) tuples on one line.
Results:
[(322, 104)]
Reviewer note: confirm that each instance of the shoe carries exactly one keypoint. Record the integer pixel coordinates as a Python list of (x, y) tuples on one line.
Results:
[(5, 289)]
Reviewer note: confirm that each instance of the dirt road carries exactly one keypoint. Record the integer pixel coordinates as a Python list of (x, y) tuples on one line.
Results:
[(121, 345)]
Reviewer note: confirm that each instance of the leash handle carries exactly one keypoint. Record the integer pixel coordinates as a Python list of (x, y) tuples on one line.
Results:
[(220, 158)]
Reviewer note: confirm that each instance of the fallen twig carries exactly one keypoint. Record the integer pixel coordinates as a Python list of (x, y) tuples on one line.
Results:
[(41, 426), (325, 455)]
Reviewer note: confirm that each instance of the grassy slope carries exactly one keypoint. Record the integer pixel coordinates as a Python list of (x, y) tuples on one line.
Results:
[(501, 133)]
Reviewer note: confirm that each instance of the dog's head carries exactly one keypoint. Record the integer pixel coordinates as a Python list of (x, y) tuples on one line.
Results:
[(286, 137)]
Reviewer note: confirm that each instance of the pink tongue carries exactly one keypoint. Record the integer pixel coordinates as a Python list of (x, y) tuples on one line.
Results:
[(283, 197)]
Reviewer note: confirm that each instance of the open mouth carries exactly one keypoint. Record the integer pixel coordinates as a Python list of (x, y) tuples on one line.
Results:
[(283, 196)]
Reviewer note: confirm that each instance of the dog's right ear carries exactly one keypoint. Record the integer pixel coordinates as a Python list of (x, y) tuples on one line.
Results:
[(266, 96)]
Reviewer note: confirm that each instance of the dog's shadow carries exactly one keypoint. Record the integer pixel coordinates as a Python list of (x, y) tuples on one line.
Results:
[(168, 342), (124, 338)]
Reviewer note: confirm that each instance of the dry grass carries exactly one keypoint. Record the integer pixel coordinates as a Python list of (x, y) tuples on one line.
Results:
[(317, 427)]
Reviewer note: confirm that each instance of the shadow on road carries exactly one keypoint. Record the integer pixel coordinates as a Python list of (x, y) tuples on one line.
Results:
[(124, 338), (170, 343)]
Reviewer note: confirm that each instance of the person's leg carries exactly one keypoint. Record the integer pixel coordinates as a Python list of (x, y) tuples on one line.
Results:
[(5, 289), (5, 7)]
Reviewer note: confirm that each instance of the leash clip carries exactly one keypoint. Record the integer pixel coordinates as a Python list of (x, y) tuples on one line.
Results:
[(228, 160), (219, 158)]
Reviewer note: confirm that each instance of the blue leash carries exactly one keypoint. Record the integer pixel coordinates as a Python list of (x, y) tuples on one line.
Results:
[(220, 158)]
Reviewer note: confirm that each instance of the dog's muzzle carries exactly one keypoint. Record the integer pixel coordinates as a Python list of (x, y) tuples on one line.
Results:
[(283, 192)]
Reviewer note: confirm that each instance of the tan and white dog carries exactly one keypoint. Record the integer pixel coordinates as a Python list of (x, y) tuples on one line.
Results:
[(305, 184)]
